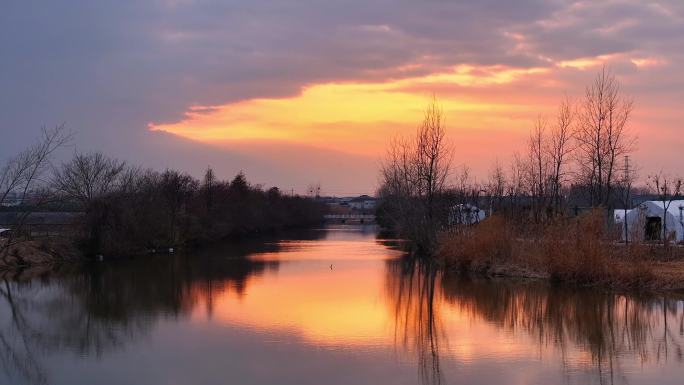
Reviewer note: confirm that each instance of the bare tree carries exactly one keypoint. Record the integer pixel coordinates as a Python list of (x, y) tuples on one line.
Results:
[(90, 176), (517, 180), (602, 135), (95, 181), (667, 189), (413, 178), (22, 173), (538, 165), (22, 177), (496, 186), (559, 147), (433, 156)]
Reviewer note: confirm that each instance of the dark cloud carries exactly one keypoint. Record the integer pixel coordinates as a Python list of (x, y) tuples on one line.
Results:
[(586, 29)]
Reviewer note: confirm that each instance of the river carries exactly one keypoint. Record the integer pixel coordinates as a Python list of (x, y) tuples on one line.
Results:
[(332, 306)]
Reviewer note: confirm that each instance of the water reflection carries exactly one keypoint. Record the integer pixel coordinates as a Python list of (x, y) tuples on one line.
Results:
[(341, 303), (608, 326), (411, 286), (91, 309), (594, 332)]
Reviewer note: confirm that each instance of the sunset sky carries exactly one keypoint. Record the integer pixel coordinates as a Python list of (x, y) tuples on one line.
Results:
[(297, 92)]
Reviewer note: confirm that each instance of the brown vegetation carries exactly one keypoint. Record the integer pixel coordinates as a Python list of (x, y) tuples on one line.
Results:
[(41, 252), (576, 250)]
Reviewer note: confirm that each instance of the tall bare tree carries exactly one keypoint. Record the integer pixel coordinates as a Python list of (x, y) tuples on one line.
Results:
[(538, 165), (433, 155), (22, 177), (602, 135), (559, 148), (22, 173), (464, 184), (414, 174), (516, 187)]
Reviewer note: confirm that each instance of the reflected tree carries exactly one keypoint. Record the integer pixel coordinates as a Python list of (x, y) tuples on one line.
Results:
[(610, 327), (411, 288), (93, 309)]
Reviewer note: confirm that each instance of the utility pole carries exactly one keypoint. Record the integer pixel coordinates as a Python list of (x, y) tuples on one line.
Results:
[(626, 192)]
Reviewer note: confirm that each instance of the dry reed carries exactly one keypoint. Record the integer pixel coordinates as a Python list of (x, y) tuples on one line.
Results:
[(577, 250)]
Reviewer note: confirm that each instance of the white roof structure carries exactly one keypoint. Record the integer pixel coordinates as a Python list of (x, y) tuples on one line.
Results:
[(636, 218)]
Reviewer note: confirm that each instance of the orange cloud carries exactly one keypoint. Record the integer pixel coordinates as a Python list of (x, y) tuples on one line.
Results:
[(356, 115), (587, 62), (488, 110)]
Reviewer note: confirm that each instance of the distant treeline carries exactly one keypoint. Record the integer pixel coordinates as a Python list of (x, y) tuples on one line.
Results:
[(129, 210)]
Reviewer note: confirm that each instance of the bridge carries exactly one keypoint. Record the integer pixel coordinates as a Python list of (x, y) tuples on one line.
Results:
[(349, 218)]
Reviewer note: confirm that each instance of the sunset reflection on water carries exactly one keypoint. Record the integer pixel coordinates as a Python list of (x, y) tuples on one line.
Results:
[(337, 306)]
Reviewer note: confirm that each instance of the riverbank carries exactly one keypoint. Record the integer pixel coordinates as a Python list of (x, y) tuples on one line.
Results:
[(662, 276), (573, 251), (30, 258), (39, 254)]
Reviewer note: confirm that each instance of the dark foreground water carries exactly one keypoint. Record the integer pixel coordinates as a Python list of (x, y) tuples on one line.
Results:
[(337, 306)]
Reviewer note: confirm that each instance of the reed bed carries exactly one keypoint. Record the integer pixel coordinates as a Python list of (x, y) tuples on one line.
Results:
[(577, 250)]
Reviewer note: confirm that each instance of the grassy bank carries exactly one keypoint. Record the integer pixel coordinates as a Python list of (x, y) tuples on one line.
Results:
[(576, 250), (41, 253)]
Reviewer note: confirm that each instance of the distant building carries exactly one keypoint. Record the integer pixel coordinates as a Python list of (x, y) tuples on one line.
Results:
[(645, 222), (363, 202)]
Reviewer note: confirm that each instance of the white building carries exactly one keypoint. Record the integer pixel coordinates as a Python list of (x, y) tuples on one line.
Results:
[(363, 202), (645, 222)]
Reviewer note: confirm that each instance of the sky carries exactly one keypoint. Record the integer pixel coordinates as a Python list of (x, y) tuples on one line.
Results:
[(295, 92)]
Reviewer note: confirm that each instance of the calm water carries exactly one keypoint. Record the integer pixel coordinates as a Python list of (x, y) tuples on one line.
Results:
[(336, 306)]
